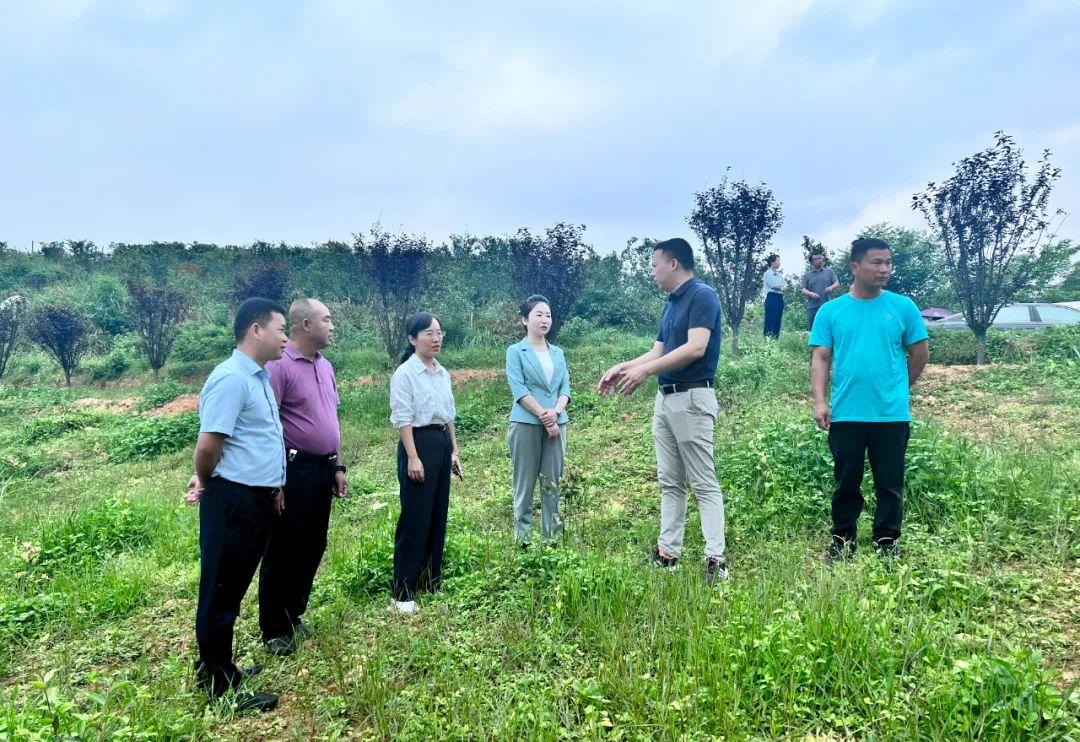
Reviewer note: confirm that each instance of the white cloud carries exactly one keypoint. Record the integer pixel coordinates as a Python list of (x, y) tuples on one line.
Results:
[(481, 90), (750, 31), (893, 207)]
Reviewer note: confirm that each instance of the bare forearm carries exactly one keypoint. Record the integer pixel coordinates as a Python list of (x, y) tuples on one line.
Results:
[(652, 355), (916, 362), (453, 437), (806, 292), (684, 355), (529, 403), (819, 375), (560, 405), (407, 442), (205, 463), (832, 288)]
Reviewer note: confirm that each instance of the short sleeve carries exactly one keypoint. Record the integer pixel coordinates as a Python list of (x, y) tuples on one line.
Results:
[(663, 317), (277, 379), (822, 333), (914, 326), (401, 406), (704, 310), (805, 282), (834, 278), (220, 403)]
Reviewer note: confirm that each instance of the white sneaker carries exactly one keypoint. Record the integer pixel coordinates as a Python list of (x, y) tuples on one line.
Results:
[(405, 607)]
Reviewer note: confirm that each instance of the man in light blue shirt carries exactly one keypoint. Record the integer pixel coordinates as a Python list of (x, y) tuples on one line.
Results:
[(239, 471), (874, 342)]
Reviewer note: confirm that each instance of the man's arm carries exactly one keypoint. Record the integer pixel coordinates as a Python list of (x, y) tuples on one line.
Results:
[(697, 341), (607, 381), (820, 369), (918, 355), (208, 450)]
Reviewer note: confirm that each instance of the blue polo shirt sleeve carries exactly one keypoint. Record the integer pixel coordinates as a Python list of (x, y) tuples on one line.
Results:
[(515, 374), (220, 403), (914, 326), (704, 311), (822, 333)]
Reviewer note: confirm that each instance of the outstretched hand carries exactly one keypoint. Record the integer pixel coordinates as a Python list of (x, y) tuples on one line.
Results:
[(610, 379)]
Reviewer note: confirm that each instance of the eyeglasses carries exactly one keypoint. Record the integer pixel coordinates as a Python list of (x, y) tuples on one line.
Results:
[(433, 334)]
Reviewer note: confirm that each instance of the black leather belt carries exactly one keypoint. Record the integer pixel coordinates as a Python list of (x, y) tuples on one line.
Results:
[(684, 386), (268, 491), (330, 459), (434, 426)]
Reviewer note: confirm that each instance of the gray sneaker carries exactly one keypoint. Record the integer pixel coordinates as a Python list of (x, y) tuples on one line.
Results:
[(716, 571)]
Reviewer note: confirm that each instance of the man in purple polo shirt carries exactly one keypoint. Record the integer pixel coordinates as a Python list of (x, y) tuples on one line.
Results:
[(306, 390)]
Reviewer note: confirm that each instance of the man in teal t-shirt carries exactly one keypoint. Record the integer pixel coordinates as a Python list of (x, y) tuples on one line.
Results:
[(874, 342)]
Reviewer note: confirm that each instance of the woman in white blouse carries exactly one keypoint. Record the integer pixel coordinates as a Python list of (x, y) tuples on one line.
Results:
[(773, 279), (422, 409), (540, 385)]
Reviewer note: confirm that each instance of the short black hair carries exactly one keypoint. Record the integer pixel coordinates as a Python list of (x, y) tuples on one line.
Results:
[(679, 249), (771, 259), (862, 244), (529, 304), (254, 310)]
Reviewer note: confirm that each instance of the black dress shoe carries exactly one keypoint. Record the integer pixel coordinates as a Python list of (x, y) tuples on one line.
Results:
[(257, 701), (246, 673), (280, 646)]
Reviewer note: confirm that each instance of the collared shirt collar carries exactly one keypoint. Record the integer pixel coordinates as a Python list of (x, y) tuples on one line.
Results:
[(418, 366), (678, 293), (292, 352), (246, 363)]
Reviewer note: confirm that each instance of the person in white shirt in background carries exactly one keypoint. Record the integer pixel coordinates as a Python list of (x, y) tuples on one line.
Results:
[(774, 295), (422, 409), (540, 384)]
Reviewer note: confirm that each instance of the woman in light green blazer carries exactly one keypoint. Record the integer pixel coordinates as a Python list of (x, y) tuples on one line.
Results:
[(540, 384)]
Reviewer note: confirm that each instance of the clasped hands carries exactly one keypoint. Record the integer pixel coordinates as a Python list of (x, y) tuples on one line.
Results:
[(550, 420)]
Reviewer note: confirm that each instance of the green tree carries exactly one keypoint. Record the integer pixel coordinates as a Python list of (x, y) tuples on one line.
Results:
[(992, 220), (63, 332), (12, 314), (157, 310), (735, 222), (395, 265), (552, 265)]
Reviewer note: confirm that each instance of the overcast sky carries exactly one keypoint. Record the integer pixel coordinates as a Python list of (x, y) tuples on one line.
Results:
[(140, 120)]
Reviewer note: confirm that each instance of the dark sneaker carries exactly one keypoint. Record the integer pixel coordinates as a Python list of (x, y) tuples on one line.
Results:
[(716, 571), (663, 561), (280, 646), (839, 550), (257, 701), (887, 547)]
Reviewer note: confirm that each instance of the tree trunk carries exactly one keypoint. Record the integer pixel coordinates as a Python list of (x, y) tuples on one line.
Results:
[(156, 372), (734, 343), (980, 357), (67, 377)]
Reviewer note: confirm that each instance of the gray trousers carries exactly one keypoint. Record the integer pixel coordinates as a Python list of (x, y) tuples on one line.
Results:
[(536, 457), (682, 430)]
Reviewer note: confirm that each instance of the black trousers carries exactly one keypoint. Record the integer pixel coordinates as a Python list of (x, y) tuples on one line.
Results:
[(297, 544), (886, 444), (811, 312), (421, 527), (234, 526), (774, 312)]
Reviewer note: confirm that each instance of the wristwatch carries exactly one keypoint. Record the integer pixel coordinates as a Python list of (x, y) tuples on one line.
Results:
[(341, 468)]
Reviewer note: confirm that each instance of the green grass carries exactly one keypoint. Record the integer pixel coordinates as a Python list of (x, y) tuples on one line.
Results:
[(969, 635)]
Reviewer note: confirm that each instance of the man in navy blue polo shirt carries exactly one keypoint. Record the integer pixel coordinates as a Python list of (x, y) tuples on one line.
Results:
[(685, 354)]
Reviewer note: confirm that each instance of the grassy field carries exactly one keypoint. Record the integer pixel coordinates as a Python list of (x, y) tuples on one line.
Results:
[(974, 633)]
